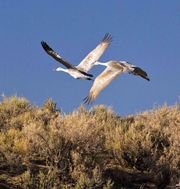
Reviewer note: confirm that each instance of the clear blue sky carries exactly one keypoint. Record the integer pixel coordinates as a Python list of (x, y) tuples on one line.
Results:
[(145, 33)]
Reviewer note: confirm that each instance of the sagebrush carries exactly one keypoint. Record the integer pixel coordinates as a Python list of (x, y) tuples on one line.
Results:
[(42, 147)]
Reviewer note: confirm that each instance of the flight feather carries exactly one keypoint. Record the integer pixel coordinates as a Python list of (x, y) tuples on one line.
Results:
[(88, 62)]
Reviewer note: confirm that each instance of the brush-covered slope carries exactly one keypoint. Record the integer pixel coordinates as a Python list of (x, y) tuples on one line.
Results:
[(41, 147)]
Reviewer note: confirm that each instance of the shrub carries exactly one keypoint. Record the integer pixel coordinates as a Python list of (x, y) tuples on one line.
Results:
[(45, 148)]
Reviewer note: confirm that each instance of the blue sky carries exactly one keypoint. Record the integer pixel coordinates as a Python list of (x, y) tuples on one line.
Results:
[(145, 33)]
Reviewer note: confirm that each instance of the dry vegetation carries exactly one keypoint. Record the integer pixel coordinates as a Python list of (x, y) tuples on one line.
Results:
[(41, 147)]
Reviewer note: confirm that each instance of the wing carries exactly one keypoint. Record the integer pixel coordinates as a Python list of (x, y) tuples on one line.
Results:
[(55, 55), (101, 82), (87, 63), (134, 70), (140, 72)]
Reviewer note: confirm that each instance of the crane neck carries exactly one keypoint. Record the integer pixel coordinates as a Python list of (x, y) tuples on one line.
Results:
[(101, 63), (59, 69)]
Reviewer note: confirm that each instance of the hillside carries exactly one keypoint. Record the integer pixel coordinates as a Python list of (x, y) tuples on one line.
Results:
[(42, 147)]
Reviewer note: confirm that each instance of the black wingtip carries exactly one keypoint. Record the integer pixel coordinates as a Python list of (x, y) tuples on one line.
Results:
[(45, 46), (88, 79), (145, 77), (141, 73), (43, 43), (90, 75), (87, 100), (86, 74), (107, 38)]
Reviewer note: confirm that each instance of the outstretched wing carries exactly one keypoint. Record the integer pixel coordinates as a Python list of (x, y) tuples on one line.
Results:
[(87, 63), (140, 72), (55, 55), (101, 82), (132, 69)]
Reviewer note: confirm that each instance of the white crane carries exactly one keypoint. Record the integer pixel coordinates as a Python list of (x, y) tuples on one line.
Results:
[(80, 71), (113, 69)]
